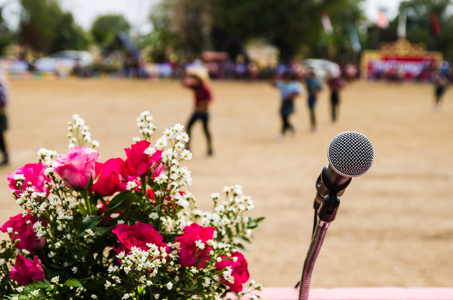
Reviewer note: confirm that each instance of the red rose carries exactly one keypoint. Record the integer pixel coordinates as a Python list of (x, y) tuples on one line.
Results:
[(25, 233), (190, 253), (240, 273), (137, 235), (76, 167), (138, 162), (34, 175), (109, 180), (26, 271)]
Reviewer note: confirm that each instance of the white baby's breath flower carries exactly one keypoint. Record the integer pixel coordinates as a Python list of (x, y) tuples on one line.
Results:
[(177, 128), (200, 245), (19, 177), (35, 292), (161, 143), (184, 137), (179, 146), (150, 151), (55, 279), (131, 185), (167, 155), (168, 134), (169, 285), (162, 178), (154, 216), (186, 154)]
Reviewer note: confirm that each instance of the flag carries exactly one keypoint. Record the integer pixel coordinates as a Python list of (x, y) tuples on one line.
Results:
[(326, 23), (382, 20), (401, 30), (434, 22), (354, 39)]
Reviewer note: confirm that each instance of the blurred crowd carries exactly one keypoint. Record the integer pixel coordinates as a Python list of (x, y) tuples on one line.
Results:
[(218, 69), (130, 67)]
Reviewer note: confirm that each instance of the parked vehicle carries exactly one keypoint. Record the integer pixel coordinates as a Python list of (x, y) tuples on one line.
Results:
[(66, 59), (322, 67)]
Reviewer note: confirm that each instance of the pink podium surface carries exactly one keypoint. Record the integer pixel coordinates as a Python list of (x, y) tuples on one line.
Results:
[(381, 293)]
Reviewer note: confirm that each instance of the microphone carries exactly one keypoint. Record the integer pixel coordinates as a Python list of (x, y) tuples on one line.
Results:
[(350, 154)]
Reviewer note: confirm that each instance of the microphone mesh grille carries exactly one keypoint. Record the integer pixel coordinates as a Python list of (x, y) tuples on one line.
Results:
[(350, 153)]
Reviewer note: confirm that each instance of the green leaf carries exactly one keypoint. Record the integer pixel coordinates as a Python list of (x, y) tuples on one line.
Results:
[(120, 202), (88, 222), (102, 230), (259, 220), (73, 282), (240, 247), (244, 239)]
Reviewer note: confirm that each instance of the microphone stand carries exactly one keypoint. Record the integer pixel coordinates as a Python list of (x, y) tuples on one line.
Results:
[(326, 206), (327, 213)]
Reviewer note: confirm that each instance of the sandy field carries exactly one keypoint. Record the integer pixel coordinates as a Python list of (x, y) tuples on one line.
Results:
[(394, 226)]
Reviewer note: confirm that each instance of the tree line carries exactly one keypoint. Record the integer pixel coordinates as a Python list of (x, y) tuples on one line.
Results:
[(186, 28)]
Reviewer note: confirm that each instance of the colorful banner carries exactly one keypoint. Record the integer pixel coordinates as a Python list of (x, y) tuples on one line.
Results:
[(401, 66)]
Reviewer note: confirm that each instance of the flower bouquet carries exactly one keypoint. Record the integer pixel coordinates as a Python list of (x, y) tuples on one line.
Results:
[(122, 229)]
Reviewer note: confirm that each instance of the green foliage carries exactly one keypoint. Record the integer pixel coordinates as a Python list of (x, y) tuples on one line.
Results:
[(227, 25), (6, 36), (69, 36), (106, 27), (163, 38), (45, 28)]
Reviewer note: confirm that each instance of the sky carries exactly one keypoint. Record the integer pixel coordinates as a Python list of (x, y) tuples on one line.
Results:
[(137, 11)]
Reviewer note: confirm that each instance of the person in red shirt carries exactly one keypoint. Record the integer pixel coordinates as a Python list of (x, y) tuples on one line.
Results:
[(197, 82)]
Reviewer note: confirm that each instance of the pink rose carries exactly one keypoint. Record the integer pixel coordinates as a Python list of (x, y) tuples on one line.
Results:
[(25, 233), (76, 167), (137, 235), (34, 175), (109, 180), (193, 250), (26, 271), (138, 162), (239, 266)]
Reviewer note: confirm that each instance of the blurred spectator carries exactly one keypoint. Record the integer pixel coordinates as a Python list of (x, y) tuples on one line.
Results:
[(440, 81), (290, 89), (313, 85), (4, 97), (335, 83)]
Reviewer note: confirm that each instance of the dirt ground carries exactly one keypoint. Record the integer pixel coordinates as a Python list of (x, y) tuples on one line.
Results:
[(394, 226)]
